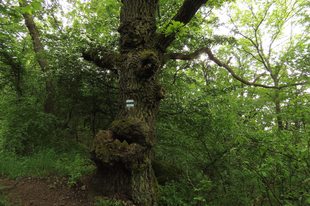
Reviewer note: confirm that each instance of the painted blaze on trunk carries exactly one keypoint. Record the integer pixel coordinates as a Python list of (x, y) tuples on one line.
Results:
[(122, 153)]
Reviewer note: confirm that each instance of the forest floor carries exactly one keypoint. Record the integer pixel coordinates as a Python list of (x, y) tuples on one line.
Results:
[(46, 191)]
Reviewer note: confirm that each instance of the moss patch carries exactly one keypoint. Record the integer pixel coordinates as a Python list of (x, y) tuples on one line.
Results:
[(107, 150), (133, 130), (147, 54)]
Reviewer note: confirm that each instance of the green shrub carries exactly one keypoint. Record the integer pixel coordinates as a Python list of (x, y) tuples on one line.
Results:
[(73, 167), (3, 200), (109, 202), (26, 128), (177, 194)]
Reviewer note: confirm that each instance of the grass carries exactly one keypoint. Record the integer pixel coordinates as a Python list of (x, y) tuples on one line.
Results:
[(3, 200), (68, 164)]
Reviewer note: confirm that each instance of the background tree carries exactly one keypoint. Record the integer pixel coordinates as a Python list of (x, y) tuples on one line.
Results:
[(262, 41)]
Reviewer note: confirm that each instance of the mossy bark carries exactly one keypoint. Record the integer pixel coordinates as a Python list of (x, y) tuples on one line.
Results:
[(123, 152)]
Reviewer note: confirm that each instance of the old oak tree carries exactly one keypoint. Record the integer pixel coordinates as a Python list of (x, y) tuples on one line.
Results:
[(122, 153)]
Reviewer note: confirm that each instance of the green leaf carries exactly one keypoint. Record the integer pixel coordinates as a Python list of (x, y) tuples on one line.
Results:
[(198, 198), (262, 150), (175, 26), (239, 140), (36, 5), (27, 9)]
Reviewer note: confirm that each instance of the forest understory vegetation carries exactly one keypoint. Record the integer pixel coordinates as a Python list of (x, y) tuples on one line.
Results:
[(158, 102)]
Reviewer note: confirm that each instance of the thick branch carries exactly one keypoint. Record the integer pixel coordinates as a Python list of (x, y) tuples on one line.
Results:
[(226, 66), (183, 56), (184, 15), (104, 59)]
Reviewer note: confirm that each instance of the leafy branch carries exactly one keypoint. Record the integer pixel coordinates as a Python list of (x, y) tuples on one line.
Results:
[(224, 65)]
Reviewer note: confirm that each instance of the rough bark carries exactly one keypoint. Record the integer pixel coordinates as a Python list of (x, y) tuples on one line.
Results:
[(123, 152), (41, 58)]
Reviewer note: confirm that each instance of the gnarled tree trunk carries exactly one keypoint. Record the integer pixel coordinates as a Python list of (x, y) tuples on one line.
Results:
[(123, 152)]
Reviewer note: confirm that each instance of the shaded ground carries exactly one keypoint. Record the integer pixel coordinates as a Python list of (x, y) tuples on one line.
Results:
[(47, 191)]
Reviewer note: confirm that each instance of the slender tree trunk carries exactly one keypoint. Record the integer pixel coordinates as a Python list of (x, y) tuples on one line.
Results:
[(41, 58), (278, 110), (123, 152)]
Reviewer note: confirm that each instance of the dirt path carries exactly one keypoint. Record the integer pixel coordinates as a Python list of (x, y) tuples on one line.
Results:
[(47, 191)]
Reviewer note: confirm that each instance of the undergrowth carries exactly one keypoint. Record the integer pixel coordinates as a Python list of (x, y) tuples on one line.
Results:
[(3, 200), (109, 202), (49, 161)]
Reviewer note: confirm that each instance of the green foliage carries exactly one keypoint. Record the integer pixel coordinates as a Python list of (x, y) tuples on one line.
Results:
[(223, 134), (175, 27), (26, 126), (177, 193), (30, 9), (45, 162), (109, 202), (220, 133), (3, 200), (76, 169)]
